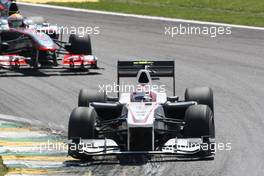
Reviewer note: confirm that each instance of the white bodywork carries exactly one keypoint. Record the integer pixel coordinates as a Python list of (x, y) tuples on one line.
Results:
[(179, 147), (142, 115)]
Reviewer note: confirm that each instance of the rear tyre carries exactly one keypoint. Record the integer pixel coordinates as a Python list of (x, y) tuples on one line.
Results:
[(81, 126), (199, 122), (80, 44), (203, 95), (88, 96)]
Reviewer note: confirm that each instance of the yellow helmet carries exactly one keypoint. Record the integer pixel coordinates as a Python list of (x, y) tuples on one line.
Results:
[(15, 20)]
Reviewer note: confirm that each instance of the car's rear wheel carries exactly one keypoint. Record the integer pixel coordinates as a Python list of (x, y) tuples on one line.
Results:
[(199, 122), (81, 126), (203, 95), (87, 96), (80, 44)]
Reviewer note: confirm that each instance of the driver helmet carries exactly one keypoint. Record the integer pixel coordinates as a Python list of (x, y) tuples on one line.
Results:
[(15, 21), (141, 97)]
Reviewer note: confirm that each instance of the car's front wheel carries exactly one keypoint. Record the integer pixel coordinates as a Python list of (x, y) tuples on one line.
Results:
[(199, 122), (80, 44), (81, 126)]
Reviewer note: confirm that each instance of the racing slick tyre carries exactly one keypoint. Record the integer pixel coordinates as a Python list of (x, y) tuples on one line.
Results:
[(87, 96), (203, 95), (199, 122), (81, 126), (80, 44), (82, 123)]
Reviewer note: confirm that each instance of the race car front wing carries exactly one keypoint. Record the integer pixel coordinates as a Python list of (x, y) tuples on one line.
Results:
[(204, 147)]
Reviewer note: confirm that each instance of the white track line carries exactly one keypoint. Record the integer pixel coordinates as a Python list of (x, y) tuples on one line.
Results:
[(140, 16)]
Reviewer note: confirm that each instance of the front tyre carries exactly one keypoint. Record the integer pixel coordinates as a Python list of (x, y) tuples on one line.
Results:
[(81, 126), (80, 44), (199, 122)]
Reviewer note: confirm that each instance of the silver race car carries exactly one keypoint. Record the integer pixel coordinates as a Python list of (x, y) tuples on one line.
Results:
[(143, 121), (32, 42)]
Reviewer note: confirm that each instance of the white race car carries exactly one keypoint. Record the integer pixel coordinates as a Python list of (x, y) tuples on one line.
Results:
[(144, 121)]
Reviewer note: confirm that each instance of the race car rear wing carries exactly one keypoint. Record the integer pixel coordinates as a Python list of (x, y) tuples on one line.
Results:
[(156, 69)]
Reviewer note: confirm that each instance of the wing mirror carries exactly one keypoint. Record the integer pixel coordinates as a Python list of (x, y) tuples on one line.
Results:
[(113, 99), (173, 99)]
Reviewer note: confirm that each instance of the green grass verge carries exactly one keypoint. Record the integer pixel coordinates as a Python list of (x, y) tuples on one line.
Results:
[(242, 12), (3, 169)]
